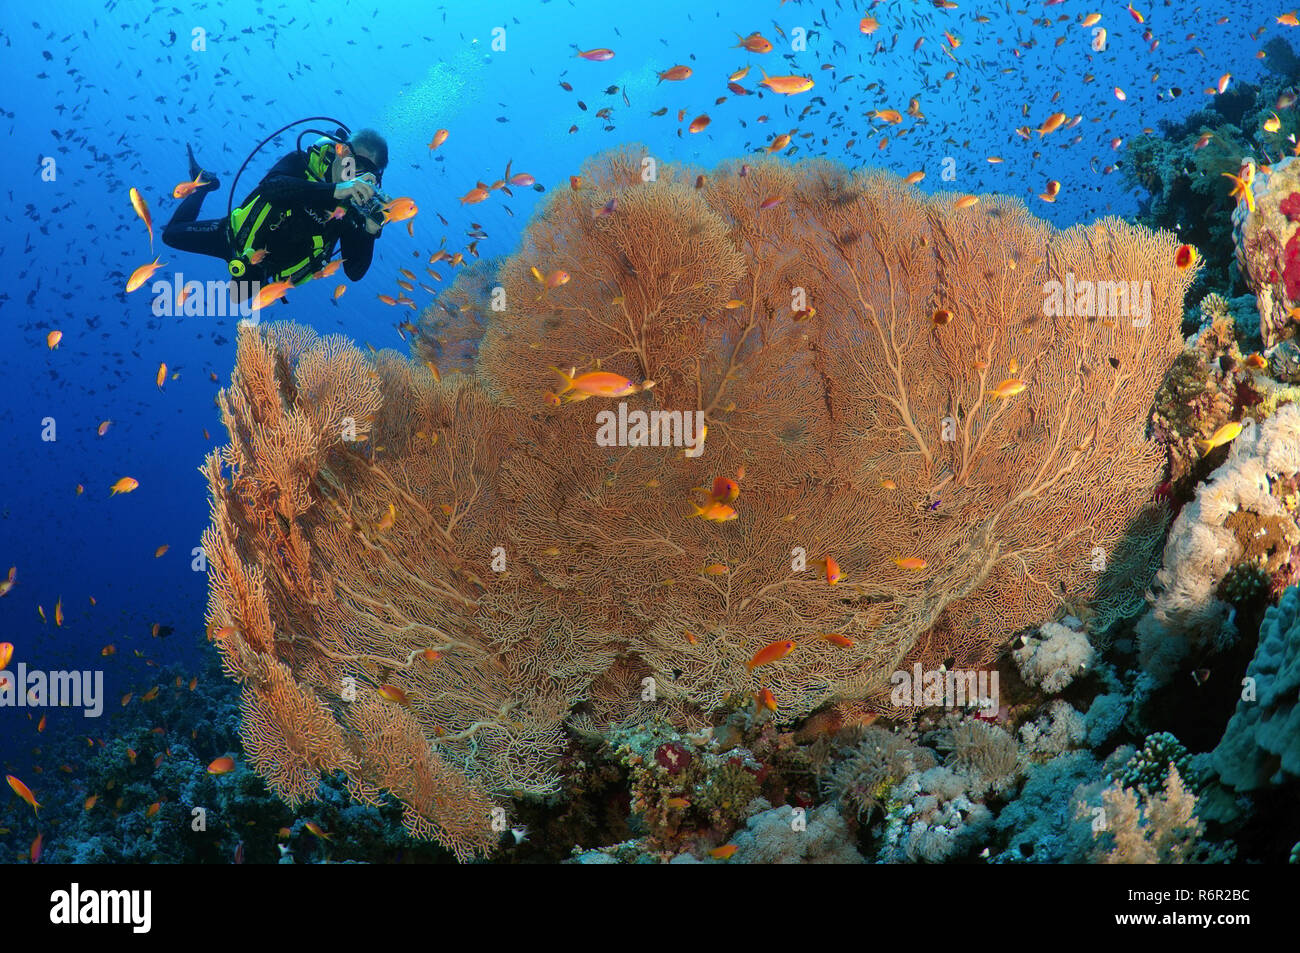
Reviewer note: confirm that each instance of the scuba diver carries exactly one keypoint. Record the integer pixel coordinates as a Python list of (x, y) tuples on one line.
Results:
[(288, 226)]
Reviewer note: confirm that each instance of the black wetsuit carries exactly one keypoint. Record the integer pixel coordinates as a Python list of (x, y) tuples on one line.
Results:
[(286, 185)]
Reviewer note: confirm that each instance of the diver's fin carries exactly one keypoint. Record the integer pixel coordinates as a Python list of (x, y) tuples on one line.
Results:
[(213, 183)]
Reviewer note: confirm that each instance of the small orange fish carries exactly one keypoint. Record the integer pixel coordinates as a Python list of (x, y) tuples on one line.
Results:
[(108, 650), (1008, 388), (1184, 257), (438, 139), (1053, 123), (157, 553), (843, 641), (142, 274), (24, 792), (676, 73), (152, 810), (315, 828), (770, 653), (185, 188), (222, 766), (40, 725), (966, 201), (142, 209), (399, 210), (754, 43), (909, 562), (270, 293), (58, 612), (764, 698), (714, 512), (714, 569), (126, 700), (37, 844), (150, 695), (8, 583), (597, 383), (6, 653), (724, 852), (52, 339), (338, 292), (786, 85), (161, 376), (699, 123), (677, 803), (90, 802), (103, 427), (914, 177), (833, 574), (391, 693), (475, 195), (124, 485)]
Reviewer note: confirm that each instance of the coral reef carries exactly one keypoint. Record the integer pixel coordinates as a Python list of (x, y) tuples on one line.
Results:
[(1267, 243), (1261, 744), (420, 582), (779, 836), (1162, 828), (1148, 768), (1054, 656), (1245, 513)]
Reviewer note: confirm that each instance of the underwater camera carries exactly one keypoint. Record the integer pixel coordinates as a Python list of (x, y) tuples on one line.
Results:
[(374, 208)]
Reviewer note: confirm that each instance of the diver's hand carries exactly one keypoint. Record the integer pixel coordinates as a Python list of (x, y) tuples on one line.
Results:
[(372, 227), (356, 190)]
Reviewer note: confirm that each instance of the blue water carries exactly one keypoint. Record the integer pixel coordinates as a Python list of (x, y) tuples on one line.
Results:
[(113, 92)]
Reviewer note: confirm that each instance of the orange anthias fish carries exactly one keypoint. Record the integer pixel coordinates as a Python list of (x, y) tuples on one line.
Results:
[(6, 654), (142, 209), (475, 195), (754, 43), (714, 512), (23, 791), (52, 339), (439, 138), (1053, 123), (764, 698), (399, 210), (58, 612), (598, 55), (833, 573), (7, 584), (124, 485), (391, 693), (222, 766), (161, 376), (270, 293), (142, 274), (786, 85), (770, 653), (185, 188), (315, 828), (724, 852), (910, 562), (597, 383), (1008, 388), (676, 73)]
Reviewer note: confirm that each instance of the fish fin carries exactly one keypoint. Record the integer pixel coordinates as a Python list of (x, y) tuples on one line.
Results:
[(568, 380)]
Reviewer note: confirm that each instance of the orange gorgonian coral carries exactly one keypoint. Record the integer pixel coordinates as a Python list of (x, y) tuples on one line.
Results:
[(856, 348)]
